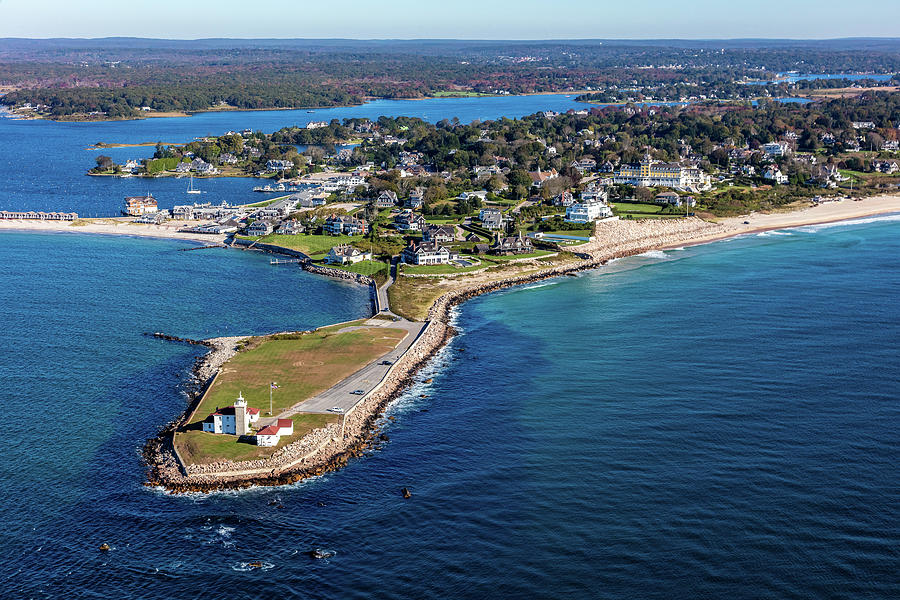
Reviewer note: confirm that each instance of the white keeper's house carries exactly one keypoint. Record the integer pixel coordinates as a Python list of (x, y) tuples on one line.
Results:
[(269, 436), (232, 420)]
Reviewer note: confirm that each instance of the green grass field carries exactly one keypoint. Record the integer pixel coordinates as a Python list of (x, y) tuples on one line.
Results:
[(365, 267), (501, 259), (312, 245), (303, 365), (440, 269)]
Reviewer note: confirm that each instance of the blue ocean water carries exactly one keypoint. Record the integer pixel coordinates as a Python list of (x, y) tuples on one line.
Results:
[(700, 423), (44, 163)]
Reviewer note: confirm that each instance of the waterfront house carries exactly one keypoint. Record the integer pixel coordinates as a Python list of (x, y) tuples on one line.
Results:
[(774, 174), (386, 199), (585, 212), (136, 206), (442, 234), (426, 253), (232, 420), (270, 435), (290, 227), (279, 165), (345, 254), (183, 167), (259, 228), (512, 245), (346, 225)]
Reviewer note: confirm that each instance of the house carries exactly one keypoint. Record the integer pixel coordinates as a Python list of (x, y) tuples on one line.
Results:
[(279, 165), (885, 166), (584, 165), (409, 221), (488, 171), (316, 124), (668, 198), (442, 234), (345, 254), (774, 149), (539, 178), (594, 194), (227, 158), (232, 420), (491, 218), (426, 253), (565, 199), (312, 202), (775, 174), (473, 238), (259, 227), (863, 125), (290, 227), (585, 212), (269, 436), (136, 206), (183, 167), (512, 245), (346, 225), (416, 199), (386, 199), (890, 145)]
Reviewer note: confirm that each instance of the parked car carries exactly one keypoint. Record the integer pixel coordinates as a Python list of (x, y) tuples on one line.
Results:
[(336, 409), (358, 392), (386, 362)]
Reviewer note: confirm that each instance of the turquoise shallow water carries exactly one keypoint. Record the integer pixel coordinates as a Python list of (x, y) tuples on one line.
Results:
[(714, 421)]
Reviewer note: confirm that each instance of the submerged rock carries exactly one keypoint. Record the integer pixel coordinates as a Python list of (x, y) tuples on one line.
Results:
[(319, 553), (406, 493), (104, 547)]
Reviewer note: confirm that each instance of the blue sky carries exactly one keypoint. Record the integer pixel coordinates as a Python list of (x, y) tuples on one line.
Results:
[(465, 19)]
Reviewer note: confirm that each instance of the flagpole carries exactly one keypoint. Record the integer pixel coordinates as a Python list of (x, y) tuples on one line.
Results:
[(270, 400)]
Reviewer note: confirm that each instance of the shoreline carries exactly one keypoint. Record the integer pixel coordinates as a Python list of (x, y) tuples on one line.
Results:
[(330, 448)]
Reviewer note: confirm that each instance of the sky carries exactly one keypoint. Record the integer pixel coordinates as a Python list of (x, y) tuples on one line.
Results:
[(457, 19)]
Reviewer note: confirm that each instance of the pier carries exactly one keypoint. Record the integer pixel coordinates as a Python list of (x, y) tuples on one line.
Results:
[(286, 261)]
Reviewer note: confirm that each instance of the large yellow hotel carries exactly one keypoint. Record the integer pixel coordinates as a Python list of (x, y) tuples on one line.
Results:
[(653, 173)]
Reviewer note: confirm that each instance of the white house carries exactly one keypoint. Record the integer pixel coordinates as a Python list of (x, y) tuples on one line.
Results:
[(585, 212), (259, 227), (232, 420), (346, 254), (775, 174), (776, 148), (269, 436), (426, 253)]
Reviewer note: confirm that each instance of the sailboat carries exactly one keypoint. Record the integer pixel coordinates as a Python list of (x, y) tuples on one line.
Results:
[(191, 189)]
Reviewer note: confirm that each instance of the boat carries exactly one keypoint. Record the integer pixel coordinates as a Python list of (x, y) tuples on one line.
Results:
[(191, 189)]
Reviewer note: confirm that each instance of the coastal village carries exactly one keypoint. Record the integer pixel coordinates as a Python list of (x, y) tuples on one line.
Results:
[(426, 224)]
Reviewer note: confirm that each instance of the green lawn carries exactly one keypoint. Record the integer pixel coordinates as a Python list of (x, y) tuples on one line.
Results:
[(442, 220), (303, 365), (309, 244), (582, 233), (265, 202), (365, 267), (440, 269), (636, 207), (535, 254)]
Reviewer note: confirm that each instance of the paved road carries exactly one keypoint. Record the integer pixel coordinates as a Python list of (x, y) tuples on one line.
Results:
[(365, 379)]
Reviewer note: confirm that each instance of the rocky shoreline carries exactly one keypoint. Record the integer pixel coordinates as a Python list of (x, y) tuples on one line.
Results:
[(330, 448)]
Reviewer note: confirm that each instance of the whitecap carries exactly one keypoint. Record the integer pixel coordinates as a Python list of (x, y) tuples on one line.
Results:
[(658, 254), (850, 222)]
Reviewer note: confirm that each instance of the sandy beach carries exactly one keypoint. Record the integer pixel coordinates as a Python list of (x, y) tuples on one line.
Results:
[(111, 226)]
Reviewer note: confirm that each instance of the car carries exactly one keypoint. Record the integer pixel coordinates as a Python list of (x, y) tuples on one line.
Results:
[(386, 362), (746, 222), (336, 409), (358, 392)]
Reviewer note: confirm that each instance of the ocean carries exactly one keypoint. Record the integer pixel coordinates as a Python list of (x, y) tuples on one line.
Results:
[(718, 420), (714, 421)]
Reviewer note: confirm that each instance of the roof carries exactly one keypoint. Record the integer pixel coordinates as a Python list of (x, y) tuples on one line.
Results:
[(252, 411), (270, 430), (285, 423)]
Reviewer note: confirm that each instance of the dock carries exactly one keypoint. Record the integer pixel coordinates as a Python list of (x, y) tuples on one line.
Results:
[(286, 261)]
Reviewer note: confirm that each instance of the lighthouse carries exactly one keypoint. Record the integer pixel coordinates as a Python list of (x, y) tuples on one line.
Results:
[(241, 422)]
